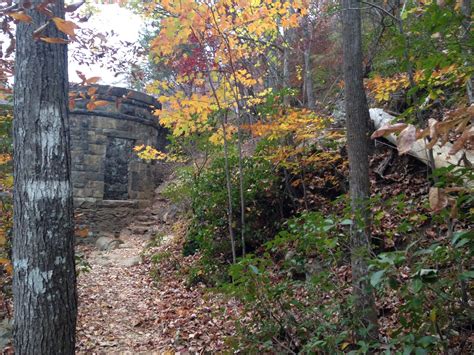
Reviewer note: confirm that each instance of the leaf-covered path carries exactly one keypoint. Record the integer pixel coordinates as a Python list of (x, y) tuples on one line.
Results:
[(122, 307)]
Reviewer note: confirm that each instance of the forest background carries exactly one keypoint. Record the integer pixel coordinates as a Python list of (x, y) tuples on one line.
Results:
[(253, 95)]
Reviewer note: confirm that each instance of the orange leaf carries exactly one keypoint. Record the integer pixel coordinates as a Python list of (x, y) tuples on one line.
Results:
[(54, 40), (387, 129), (99, 103), (92, 80), (8, 265), (67, 27), (21, 16), (91, 105), (91, 91), (406, 139), (82, 232)]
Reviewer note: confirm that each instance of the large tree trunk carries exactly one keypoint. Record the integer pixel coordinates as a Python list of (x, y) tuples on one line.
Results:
[(357, 116), (43, 244)]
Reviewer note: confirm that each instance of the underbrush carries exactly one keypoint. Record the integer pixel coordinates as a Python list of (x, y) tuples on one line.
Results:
[(295, 280)]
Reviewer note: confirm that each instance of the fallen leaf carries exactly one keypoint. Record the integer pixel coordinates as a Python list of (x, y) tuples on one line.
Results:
[(387, 129), (438, 199), (405, 139)]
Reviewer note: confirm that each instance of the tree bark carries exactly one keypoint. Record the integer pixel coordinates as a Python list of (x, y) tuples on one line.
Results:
[(44, 281), (308, 80), (466, 10), (357, 117)]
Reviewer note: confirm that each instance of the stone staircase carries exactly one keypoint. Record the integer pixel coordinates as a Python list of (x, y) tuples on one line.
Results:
[(154, 219)]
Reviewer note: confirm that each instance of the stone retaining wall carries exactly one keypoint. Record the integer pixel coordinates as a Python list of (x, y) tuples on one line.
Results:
[(110, 183)]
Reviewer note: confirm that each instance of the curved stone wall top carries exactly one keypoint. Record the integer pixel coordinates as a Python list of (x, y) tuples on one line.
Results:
[(123, 104)]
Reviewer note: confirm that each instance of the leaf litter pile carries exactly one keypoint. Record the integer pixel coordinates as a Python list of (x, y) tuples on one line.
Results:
[(149, 306)]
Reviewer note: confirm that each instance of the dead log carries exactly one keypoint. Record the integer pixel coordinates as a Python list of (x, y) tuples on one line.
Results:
[(441, 155)]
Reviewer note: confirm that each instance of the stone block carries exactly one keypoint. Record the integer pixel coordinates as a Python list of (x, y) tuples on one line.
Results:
[(97, 149), (93, 161)]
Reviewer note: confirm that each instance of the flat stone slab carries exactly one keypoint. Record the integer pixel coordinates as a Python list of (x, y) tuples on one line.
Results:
[(129, 262)]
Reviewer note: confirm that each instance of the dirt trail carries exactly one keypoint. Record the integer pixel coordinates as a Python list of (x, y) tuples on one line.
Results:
[(122, 308)]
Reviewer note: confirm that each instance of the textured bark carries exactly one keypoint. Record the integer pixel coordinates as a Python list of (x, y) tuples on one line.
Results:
[(357, 117), (286, 74), (43, 245), (466, 10), (308, 80)]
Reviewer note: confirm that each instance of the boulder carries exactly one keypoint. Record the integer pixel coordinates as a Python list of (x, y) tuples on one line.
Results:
[(107, 243)]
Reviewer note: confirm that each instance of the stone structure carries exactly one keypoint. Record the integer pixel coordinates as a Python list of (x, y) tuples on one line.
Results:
[(110, 183)]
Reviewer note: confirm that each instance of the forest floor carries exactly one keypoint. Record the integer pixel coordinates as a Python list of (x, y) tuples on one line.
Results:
[(136, 298)]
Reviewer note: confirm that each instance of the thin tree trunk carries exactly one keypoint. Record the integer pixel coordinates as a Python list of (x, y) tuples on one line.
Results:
[(308, 80), (230, 212), (286, 73), (357, 117), (44, 282), (241, 183), (466, 10)]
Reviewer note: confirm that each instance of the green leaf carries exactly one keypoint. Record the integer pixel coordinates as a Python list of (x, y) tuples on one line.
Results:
[(420, 351), (461, 238), (426, 341), (417, 285), (346, 222), (376, 277), (467, 275)]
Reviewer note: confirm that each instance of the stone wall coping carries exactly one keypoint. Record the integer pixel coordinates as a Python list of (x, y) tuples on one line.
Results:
[(118, 92), (117, 115)]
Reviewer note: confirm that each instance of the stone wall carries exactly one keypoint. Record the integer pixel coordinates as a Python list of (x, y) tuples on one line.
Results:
[(110, 183)]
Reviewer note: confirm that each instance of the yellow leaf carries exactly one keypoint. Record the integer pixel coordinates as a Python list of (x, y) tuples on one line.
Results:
[(3, 238), (5, 158), (67, 27), (345, 345), (138, 147)]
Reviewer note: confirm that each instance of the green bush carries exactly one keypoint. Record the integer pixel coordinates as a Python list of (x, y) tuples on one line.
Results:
[(209, 228)]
